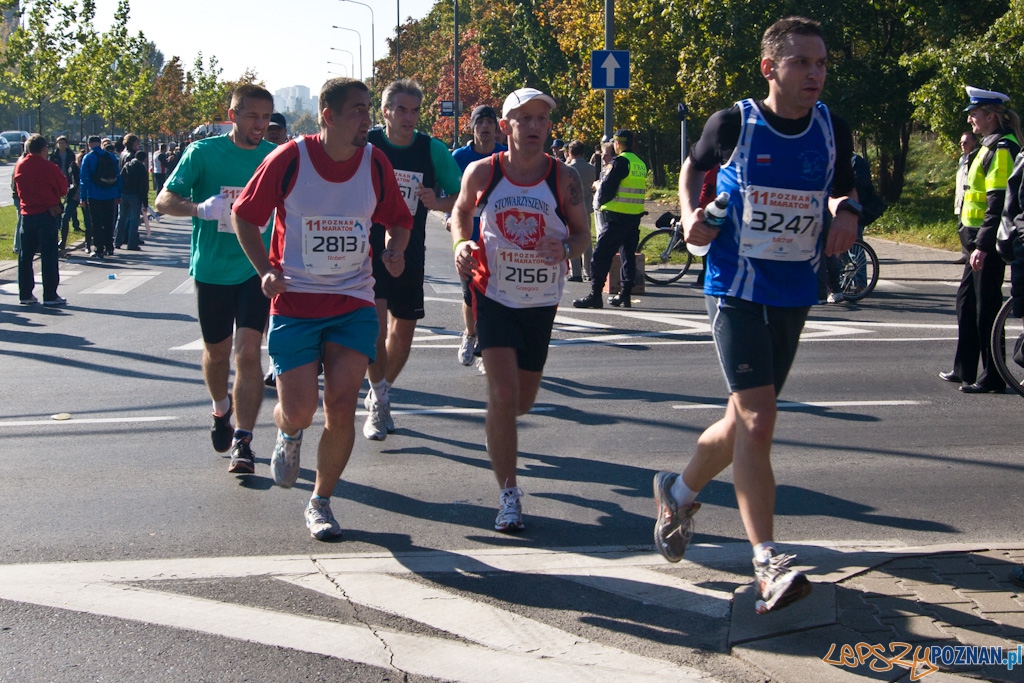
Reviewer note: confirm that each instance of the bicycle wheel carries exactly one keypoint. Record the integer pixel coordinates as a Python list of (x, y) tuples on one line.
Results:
[(1005, 332), (859, 273), (667, 259)]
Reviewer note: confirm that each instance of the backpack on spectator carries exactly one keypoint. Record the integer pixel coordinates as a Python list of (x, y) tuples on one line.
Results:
[(106, 170)]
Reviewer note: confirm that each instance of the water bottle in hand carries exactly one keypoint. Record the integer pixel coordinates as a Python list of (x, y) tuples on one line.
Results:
[(714, 216)]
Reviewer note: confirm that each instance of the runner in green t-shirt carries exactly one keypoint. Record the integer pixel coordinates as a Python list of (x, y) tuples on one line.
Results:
[(203, 185)]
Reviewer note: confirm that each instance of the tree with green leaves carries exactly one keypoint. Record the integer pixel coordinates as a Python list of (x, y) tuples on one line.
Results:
[(209, 95), (35, 55)]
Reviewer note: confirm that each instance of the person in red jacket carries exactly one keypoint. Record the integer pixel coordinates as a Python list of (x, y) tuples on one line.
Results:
[(41, 185)]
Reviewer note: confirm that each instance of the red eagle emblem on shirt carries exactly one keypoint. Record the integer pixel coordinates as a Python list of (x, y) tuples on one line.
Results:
[(521, 228)]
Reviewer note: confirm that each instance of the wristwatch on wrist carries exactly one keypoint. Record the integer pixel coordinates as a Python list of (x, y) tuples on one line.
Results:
[(565, 245), (851, 205)]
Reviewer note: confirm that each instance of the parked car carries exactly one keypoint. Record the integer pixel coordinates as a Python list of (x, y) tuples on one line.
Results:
[(17, 138), (5, 148)]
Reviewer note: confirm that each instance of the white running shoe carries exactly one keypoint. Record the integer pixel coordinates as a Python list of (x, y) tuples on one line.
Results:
[(480, 366), (836, 298), (510, 514), (779, 584), (466, 347), (375, 428), (320, 520), (284, 463)]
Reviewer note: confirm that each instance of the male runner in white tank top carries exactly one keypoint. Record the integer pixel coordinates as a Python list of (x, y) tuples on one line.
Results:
[(533, 220)]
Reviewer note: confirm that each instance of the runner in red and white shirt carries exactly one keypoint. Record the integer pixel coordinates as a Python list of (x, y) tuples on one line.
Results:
[(533, 220), (326, 190)]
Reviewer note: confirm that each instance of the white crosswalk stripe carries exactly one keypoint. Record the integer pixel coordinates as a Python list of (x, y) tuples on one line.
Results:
[(522, 648)]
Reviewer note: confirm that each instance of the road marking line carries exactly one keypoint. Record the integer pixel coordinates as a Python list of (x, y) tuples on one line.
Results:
[(452, 411), (795, 405), (186, 287), (480, 623), (654, 588), (86, 421), (521, 648)]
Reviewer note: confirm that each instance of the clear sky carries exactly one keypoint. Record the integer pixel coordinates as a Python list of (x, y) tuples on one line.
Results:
[(287, 42)]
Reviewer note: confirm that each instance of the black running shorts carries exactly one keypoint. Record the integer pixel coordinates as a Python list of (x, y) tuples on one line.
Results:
[(222, 308), (527, 330), (756, 344)]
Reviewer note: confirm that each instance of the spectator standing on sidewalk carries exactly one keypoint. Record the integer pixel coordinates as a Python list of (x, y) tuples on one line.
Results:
[(101, 193), (41, 185), (968, 150), (759, 289), (588, 176), (981, 288)]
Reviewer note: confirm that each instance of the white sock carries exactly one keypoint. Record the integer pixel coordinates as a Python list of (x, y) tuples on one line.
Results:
[(380, 390), (682, 494), (762, 551), (220, 408)]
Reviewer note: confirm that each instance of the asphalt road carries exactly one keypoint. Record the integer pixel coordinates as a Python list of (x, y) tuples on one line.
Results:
[(119, 524)]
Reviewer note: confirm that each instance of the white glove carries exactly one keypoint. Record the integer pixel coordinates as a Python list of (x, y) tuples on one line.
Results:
[(213, 208)]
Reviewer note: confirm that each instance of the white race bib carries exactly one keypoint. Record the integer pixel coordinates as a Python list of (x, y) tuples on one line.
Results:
[(780, 224), (334, 245), (524, 277), (409, 183), (224, 223)]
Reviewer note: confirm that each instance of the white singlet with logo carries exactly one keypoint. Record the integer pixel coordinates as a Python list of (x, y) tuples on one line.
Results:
[(514, 218), (326, 228)]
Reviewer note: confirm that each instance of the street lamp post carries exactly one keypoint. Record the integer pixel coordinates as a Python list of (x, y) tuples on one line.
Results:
[(359, 35), (352, 59), (343, 66), (373, 60), (398, 30)]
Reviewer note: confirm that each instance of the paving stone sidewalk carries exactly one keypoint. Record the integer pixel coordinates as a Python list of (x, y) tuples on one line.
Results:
[(949, 596)]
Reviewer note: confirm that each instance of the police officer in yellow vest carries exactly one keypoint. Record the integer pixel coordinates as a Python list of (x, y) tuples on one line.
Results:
[(621, 199), (980, 294)]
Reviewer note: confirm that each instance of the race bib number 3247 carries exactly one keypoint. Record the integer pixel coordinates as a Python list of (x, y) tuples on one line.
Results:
[(780, 224)]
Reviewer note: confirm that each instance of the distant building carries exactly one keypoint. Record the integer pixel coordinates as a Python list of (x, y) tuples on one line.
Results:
[(295, 99)]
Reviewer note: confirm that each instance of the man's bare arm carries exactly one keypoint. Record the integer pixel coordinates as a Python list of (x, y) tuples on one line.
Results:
[(173, 204)]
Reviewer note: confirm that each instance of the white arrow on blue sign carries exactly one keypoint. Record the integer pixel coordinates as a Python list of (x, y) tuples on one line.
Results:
[(609, 70)]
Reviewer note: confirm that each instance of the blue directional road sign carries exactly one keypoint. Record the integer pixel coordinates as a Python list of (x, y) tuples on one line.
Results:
[(609, 70)]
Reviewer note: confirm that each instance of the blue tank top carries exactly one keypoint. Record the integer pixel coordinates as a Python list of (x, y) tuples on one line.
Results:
[(769, 249)]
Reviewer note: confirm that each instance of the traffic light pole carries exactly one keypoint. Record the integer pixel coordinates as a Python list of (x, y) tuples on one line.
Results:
[(609, 44)]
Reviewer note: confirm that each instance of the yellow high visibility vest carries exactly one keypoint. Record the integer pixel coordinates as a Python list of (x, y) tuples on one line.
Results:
[(629, 198), (979, 183)]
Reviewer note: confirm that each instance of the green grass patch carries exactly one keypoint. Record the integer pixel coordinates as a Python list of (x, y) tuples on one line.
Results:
[(924, 213), (8, 222)]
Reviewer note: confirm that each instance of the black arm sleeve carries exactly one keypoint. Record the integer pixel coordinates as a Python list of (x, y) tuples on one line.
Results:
[(610, 185), (717, 140)]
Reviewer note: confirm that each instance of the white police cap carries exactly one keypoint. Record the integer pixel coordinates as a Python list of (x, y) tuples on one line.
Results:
[(981, 97)]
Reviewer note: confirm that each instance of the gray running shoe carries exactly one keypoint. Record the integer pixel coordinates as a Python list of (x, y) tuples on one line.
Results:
[(375, 428), (320, 520), (510, 514), (466, 347), (243, 460), (779, 584), (674, 527), (389, 422), (284, 463)]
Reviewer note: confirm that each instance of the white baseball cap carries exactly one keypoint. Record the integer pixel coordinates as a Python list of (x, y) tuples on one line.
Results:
[(521, 97)]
